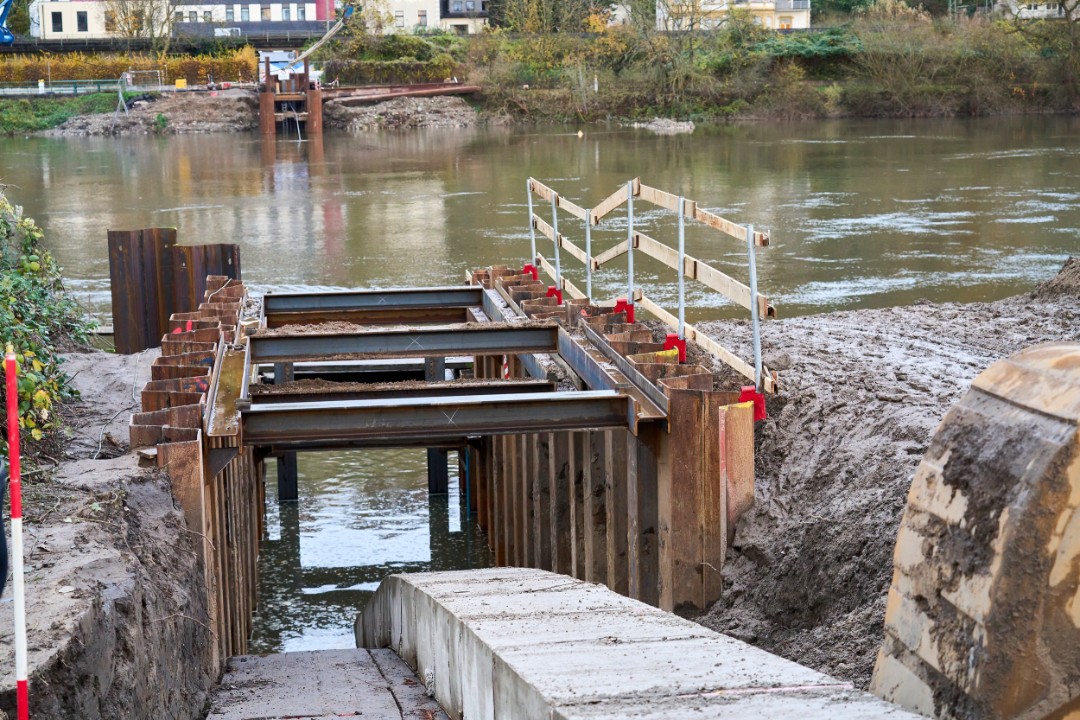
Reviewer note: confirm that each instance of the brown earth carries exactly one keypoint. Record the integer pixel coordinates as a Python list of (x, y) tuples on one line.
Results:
[(442, 112), (862, 394), (116, 626), (183, 112)]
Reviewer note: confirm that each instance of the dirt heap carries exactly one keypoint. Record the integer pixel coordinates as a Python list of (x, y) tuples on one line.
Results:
[(171, 113), (117, 623), (862, 394), (444, 112)]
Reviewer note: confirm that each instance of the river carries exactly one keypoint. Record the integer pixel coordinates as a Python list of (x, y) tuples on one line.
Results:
[(862, 214)]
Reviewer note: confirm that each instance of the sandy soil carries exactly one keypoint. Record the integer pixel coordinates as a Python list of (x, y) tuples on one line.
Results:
[(111, 577), (862, 394), (184, 112), (447, 112)]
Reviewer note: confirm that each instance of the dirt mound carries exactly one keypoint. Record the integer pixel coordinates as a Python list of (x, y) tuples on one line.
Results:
[(448, 112), (1066, 283), (172, 113), (810, 567)]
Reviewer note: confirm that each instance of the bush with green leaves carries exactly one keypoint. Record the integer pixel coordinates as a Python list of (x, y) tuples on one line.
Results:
[(38, 321)]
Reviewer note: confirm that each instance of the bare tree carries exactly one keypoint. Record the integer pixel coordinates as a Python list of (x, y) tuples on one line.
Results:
[(1059, 38), (146, 19)]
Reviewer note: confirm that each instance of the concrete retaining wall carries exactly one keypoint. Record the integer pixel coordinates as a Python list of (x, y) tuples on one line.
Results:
[(523, 643)]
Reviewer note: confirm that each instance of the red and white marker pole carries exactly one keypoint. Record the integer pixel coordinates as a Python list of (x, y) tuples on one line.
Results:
[(22, 689)]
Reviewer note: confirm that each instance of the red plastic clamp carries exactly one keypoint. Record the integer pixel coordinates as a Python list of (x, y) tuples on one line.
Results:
[(750, 394), (555, 293), (622, 305), (530, 269), (672, 341)]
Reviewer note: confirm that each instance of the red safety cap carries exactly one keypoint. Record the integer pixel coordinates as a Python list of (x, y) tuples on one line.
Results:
[(673, 341), (750, 394), (530, 269), (555, 293), (621, 305)]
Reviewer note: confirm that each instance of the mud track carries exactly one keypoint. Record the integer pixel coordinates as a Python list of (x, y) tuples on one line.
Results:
[(862, 394)]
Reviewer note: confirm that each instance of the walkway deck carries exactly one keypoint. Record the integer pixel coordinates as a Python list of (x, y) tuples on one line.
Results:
[(322, 684)]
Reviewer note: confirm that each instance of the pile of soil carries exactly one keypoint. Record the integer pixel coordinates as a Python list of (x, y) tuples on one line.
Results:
[(180, 113), (115, 596), (665, 126), (861, 396), (437, 112)]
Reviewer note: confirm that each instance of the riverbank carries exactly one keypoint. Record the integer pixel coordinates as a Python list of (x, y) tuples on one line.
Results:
[(862, 393), (169, 113), (115, 615)]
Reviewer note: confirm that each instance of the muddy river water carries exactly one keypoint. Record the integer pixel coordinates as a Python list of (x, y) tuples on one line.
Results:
[(862, 214)]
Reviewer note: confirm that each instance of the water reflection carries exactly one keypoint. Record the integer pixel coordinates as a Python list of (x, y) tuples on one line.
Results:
[(863, 213), (362, 515)]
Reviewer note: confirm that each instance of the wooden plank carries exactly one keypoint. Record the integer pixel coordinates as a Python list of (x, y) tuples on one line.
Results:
[(595, 514), (680, 505), (666, 200), (715, 348), (615, 507), (575, 503), (714, 529), (761, 239), (608, 204), (695, 269), (541, 498), (549, 232), (559, 495), (541, 189), (739, 463), (642, 468), (527, 449), (610, 254), (568, 287)]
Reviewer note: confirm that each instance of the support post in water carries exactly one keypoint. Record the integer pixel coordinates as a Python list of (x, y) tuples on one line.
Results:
[(438, 471), (755, 320), (22, 690), (588, 254), (630, 250), (287, 471)]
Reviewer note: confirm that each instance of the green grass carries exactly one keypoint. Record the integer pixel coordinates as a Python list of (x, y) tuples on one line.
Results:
[(29, 114)]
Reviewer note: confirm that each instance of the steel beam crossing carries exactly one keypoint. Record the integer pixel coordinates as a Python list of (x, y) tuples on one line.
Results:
[(428, 342), (368, 307), (403, 419), (365, 391)]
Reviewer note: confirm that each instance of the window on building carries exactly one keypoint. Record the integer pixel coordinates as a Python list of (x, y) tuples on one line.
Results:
[(286, 15), (81, 23), (178, 16), (207, 16), (58, 22), (230, 13), (460, 29), (399, 18), (301, 12), (457, 6), (264, 14), (470, 5), (421, 18), (193, 16), (785, 22), (245, 13)]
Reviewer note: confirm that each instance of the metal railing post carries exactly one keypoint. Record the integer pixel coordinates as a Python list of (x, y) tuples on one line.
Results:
[(755, 321), (630, 242), (588, 254), (532, 228), (555, 232), (682, 268)]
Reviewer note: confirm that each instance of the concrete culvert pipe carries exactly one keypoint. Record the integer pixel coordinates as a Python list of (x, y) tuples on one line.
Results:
[(983, 616)]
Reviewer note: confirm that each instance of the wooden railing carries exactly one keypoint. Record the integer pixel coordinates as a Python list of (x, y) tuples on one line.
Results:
[(743, 294)]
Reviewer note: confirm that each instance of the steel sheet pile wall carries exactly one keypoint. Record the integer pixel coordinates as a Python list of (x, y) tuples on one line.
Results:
[(152, 278), (188, 424), (647, 512)]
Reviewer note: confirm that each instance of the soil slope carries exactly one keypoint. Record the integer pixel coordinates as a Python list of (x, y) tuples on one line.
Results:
[(182, 112), (862, 394)]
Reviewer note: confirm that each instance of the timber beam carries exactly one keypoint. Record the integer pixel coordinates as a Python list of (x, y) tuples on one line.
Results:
[(366, 391), (433, 418)]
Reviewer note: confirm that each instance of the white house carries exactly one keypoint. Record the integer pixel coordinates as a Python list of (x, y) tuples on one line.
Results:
[(708, 14)]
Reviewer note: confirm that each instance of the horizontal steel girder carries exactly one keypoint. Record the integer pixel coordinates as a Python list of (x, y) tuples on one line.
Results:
[(390, 299), (427, 342), (397, 390), (395, 420)]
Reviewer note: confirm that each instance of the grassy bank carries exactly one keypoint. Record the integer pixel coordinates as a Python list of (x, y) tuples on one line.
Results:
[(38, 320), (19, 115), (889, 60)]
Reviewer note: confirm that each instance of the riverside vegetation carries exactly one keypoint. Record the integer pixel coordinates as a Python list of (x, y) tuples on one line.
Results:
[(886, 59)]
